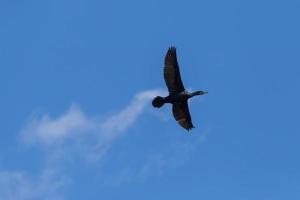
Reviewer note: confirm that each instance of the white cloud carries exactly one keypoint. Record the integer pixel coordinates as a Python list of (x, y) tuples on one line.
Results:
[(19, 186), (119, 122), (49, 131), (67, 137), (75, 135), (74, 123)]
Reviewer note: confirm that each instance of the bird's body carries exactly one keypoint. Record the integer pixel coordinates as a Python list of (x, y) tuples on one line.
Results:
[(178, 96)]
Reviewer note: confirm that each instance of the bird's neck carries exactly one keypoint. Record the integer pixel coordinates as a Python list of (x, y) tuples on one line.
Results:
[(194, 93)]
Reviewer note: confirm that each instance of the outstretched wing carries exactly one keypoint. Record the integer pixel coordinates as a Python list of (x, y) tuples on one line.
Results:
[(182, 115), (172, 73)]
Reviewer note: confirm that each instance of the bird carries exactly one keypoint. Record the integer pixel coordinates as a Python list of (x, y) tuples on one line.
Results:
[(178, 96)]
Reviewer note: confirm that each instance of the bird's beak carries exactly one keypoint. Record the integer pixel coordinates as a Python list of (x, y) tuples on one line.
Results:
[(204, 92)]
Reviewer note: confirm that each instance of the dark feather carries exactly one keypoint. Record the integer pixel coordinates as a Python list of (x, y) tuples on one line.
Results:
[(182, 115), (172, 73)]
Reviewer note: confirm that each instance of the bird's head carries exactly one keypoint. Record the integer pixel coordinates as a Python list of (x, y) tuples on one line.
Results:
[(200, 92)]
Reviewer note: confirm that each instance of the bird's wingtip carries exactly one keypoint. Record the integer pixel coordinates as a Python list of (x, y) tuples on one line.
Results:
[(190, 128), (172, 48)]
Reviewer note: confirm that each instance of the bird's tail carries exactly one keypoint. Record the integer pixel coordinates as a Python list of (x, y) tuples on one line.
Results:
[(158, 102)]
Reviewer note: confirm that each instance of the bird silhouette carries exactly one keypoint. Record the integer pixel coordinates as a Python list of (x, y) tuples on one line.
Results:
[(178, 96)]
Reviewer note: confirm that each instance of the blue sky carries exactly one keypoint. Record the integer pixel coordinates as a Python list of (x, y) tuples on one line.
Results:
[(77, 78)]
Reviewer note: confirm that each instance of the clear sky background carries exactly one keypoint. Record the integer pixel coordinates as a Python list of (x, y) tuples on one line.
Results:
[(77, 78)]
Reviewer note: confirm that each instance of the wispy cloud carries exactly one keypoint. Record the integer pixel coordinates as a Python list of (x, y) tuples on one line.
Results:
[(19, 186), (75, 130), (47, 131), (69, 136), (119, 122), (76, 135)]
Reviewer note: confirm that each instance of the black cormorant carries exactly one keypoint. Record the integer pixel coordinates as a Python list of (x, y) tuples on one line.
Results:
[(178, 96)]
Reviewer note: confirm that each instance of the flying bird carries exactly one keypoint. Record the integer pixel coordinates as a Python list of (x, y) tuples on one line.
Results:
[(178, 96)]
